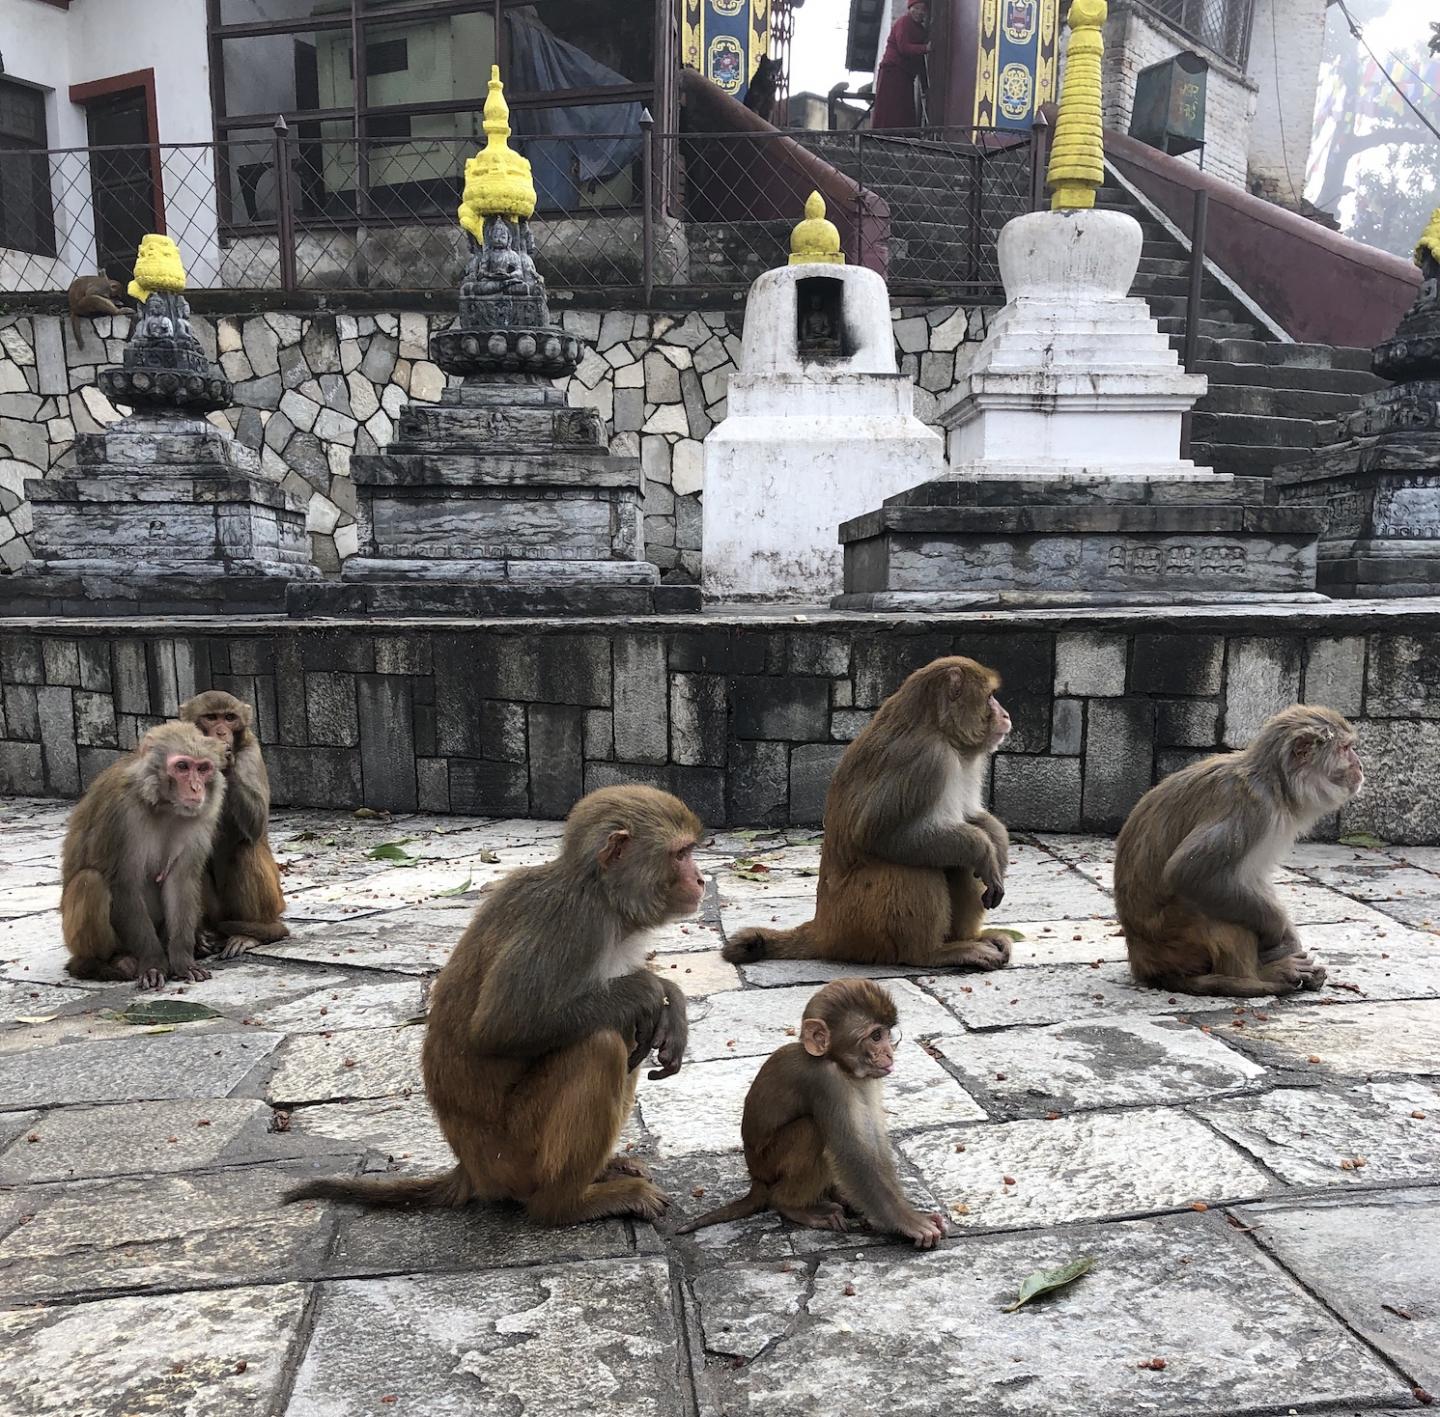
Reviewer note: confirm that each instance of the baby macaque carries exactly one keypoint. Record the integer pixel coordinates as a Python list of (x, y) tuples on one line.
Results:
[(816, 1142)]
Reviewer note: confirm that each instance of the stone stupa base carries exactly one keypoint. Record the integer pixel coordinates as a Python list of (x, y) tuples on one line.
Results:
[(1078, 540)]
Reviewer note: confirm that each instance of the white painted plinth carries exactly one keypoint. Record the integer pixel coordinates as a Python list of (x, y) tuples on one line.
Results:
[(1074, 372), (807, 444)]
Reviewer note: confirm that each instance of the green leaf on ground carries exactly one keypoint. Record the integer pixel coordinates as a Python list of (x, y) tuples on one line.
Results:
[(807, 870), (393, 851), (1363, 839), (458, 890), (489, 858), (148, 1011), (36, 1018), (749, 870), (1006, 931), (369, 814), (302, 836), (1046, 1281)]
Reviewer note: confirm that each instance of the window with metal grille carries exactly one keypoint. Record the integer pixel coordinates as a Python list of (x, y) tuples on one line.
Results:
[(27, 214), (1222, 26)]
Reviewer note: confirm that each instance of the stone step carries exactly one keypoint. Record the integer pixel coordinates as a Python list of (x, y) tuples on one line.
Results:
[(1243, 459), (1267, 401), (1289, 376), (1150, 283), (1279, 352), (1167, 266), (1211, 311), (1166, 249), (1175, 325), (1261, 430)]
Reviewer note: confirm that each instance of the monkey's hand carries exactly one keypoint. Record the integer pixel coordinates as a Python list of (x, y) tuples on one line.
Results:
[(992, 877), (649, 1017), (669, 1042)]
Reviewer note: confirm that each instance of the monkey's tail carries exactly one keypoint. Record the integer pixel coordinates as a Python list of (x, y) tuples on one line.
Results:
[(752, 1203), (750, 945), (451, 1188)]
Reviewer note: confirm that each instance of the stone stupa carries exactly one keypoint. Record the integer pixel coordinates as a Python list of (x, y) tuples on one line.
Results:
[(162, 512), (1380, 483), (500, 499), (1065, 484)]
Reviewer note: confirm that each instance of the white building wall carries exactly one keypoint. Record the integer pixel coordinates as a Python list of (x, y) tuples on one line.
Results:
[(98, 39), (1134, 40), (1286, 44)]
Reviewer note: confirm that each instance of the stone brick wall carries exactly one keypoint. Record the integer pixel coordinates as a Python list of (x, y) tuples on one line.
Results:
[(1287, 41), (311, 390), (1136, 38), (745, 718)]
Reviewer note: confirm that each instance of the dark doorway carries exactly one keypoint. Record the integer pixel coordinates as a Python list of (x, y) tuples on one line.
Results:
[(122, 178)]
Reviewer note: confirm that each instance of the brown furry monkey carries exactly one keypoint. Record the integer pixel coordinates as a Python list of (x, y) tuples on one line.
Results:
[(243, 900), (814, 1126), (543, 1013), (134, 860), (95, 295), (911, 861), (1193, 862)]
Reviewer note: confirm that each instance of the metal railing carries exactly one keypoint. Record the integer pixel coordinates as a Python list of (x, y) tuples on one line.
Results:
[(299, 210)]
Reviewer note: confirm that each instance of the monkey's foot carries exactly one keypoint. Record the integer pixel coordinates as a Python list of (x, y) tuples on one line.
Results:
[(819, 1217), (189, 973), (207, 944), (236, 945), (623, 1166), (150, 979), (988, 952), (926, 1230), (1297, 971)]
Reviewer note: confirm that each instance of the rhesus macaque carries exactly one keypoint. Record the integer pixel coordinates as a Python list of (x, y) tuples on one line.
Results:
[(95, 295), (1193, 862), (133, 867), (243, 901), (814, 1125), (544, 1012), (911, 861)]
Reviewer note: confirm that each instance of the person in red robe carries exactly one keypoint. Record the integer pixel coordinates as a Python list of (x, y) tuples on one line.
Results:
[(902, 64)]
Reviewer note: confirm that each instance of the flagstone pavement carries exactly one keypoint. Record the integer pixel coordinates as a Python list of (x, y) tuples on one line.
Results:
[(1259, 1187)]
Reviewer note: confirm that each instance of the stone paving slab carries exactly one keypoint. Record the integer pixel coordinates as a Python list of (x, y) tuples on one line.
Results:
[(376, 1062), (1104, 1062), (119, 1070), (1372, 1260), (1314, 1136), (586, 1338), (1159, 1106), (1232, 1329), (1082, 1167), (198, 1231), (136, 1138)]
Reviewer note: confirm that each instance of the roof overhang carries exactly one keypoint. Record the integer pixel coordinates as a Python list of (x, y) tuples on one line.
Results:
[(862, 44)]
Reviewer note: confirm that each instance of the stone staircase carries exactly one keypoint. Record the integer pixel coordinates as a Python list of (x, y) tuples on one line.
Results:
[(1269, 402)]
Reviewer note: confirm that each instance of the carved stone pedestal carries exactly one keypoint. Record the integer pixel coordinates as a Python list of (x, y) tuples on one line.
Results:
[(1055, 541), (1380, 486)]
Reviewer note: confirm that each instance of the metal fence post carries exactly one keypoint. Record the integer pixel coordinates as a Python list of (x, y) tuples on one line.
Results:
[(1039, 159), (859, 256), (647, 204), (284, 206), (1192, 300)]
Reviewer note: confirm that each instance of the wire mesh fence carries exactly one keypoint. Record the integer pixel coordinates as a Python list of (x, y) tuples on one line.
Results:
[(314, 212), (1220, 25)]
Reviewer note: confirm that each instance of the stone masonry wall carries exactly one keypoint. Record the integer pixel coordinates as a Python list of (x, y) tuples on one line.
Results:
[(1136, 38), (746, 719), (313, 389)]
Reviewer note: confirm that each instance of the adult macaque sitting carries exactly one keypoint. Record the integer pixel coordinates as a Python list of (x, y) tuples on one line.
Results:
[(911, 859), (1194, 862), (243, 901), (134, 860), (544, 1012), (814, 1124)]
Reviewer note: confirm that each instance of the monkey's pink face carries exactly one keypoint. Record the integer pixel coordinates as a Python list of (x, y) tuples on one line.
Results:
[(874, 1052), (1343, 767), (999, 725), (190, 780), (687, 888)]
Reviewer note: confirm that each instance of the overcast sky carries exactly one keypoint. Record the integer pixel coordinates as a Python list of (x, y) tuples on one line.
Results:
[(817, 53)]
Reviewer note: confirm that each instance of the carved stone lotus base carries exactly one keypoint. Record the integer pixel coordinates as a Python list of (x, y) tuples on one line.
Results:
[(165, 388), (546, 352), (1078, 540)]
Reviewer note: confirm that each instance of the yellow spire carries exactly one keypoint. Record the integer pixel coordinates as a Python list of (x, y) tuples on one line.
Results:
[(815, 240), (157, 267), (1077, 157), (497, 180), (1429, 239)]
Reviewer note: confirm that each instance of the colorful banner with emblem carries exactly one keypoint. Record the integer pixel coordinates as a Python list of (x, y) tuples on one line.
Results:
[(1016, 61), (725, 40)]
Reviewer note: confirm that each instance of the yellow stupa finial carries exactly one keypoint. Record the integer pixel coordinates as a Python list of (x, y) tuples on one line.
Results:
[(157, 267), (816, 240), (497, 179), (1429, 239), (1077, 157)]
